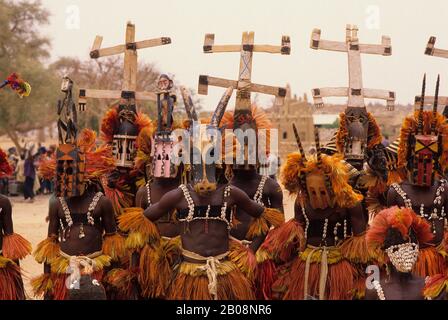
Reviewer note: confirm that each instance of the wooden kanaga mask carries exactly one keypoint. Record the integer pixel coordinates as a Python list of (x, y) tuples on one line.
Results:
[(357, 126), (124, 141), (70, 170), (425, 147)]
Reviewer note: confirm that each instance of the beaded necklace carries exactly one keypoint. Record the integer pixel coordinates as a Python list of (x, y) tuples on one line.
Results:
[(68, 218), (191, 206), (258, 197), (148, 193), (434, 215), (379, 290), (325, 228)]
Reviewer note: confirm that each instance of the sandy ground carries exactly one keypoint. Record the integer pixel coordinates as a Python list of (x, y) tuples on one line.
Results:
[(29, 221)]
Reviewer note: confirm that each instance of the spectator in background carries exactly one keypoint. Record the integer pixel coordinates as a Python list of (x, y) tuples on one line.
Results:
[(20, 169), (30, 176), (45, 184)]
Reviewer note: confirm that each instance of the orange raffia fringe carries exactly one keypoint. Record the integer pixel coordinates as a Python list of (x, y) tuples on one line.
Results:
[(340, 278), (261, 225), (54, 283), (5, 167), (120, 195), (47, 250), (282, 243), (291, 171), (243, 258), (156, 267), (43, 284), (280, 282), (15, 247), (144, 145), (191, 283), (99, 160), (60, 264), (332, 166), (143, 121), (109, 124), (261, 122), (359, 285), (435, 286), (141, 230), (429, 263), (114, 246), (408, 128), (373, 134), (122, 279), (402, 219), (10, 280), (266, 275), (261, 118), (355, 249)]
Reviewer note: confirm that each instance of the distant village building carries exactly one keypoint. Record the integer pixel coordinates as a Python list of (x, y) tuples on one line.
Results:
[(294, 110)]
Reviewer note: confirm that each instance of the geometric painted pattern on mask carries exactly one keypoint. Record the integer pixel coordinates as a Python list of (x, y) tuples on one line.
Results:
[(425, 155), (70, 170), (163, 166), (124, 150)]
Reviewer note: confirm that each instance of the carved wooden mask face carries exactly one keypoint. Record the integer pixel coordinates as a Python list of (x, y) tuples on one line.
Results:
[(204, 157), (70, 170), (426, 151), (357, 127), (318, 193)]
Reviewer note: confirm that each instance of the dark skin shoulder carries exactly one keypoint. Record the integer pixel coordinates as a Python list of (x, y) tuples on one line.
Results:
[(272, 198), (141, 198), (158, 188), (194, 236)]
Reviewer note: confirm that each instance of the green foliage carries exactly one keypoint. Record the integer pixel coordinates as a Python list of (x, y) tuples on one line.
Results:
[(24, 50)]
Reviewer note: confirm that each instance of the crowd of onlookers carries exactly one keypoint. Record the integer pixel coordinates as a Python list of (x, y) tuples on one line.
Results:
[(25, 180)]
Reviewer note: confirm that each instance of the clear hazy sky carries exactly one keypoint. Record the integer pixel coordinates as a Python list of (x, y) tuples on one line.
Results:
[(74, 24)]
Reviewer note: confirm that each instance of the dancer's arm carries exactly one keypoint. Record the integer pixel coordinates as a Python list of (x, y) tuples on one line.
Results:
[(242, 200), (166, 204)]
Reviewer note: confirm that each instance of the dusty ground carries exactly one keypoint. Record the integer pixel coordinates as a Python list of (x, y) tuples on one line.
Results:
[(29, 221)]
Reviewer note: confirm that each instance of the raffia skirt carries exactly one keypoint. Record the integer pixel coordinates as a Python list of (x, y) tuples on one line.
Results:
[(317, 273), (210, 278), (54, 285), (11, 284)]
